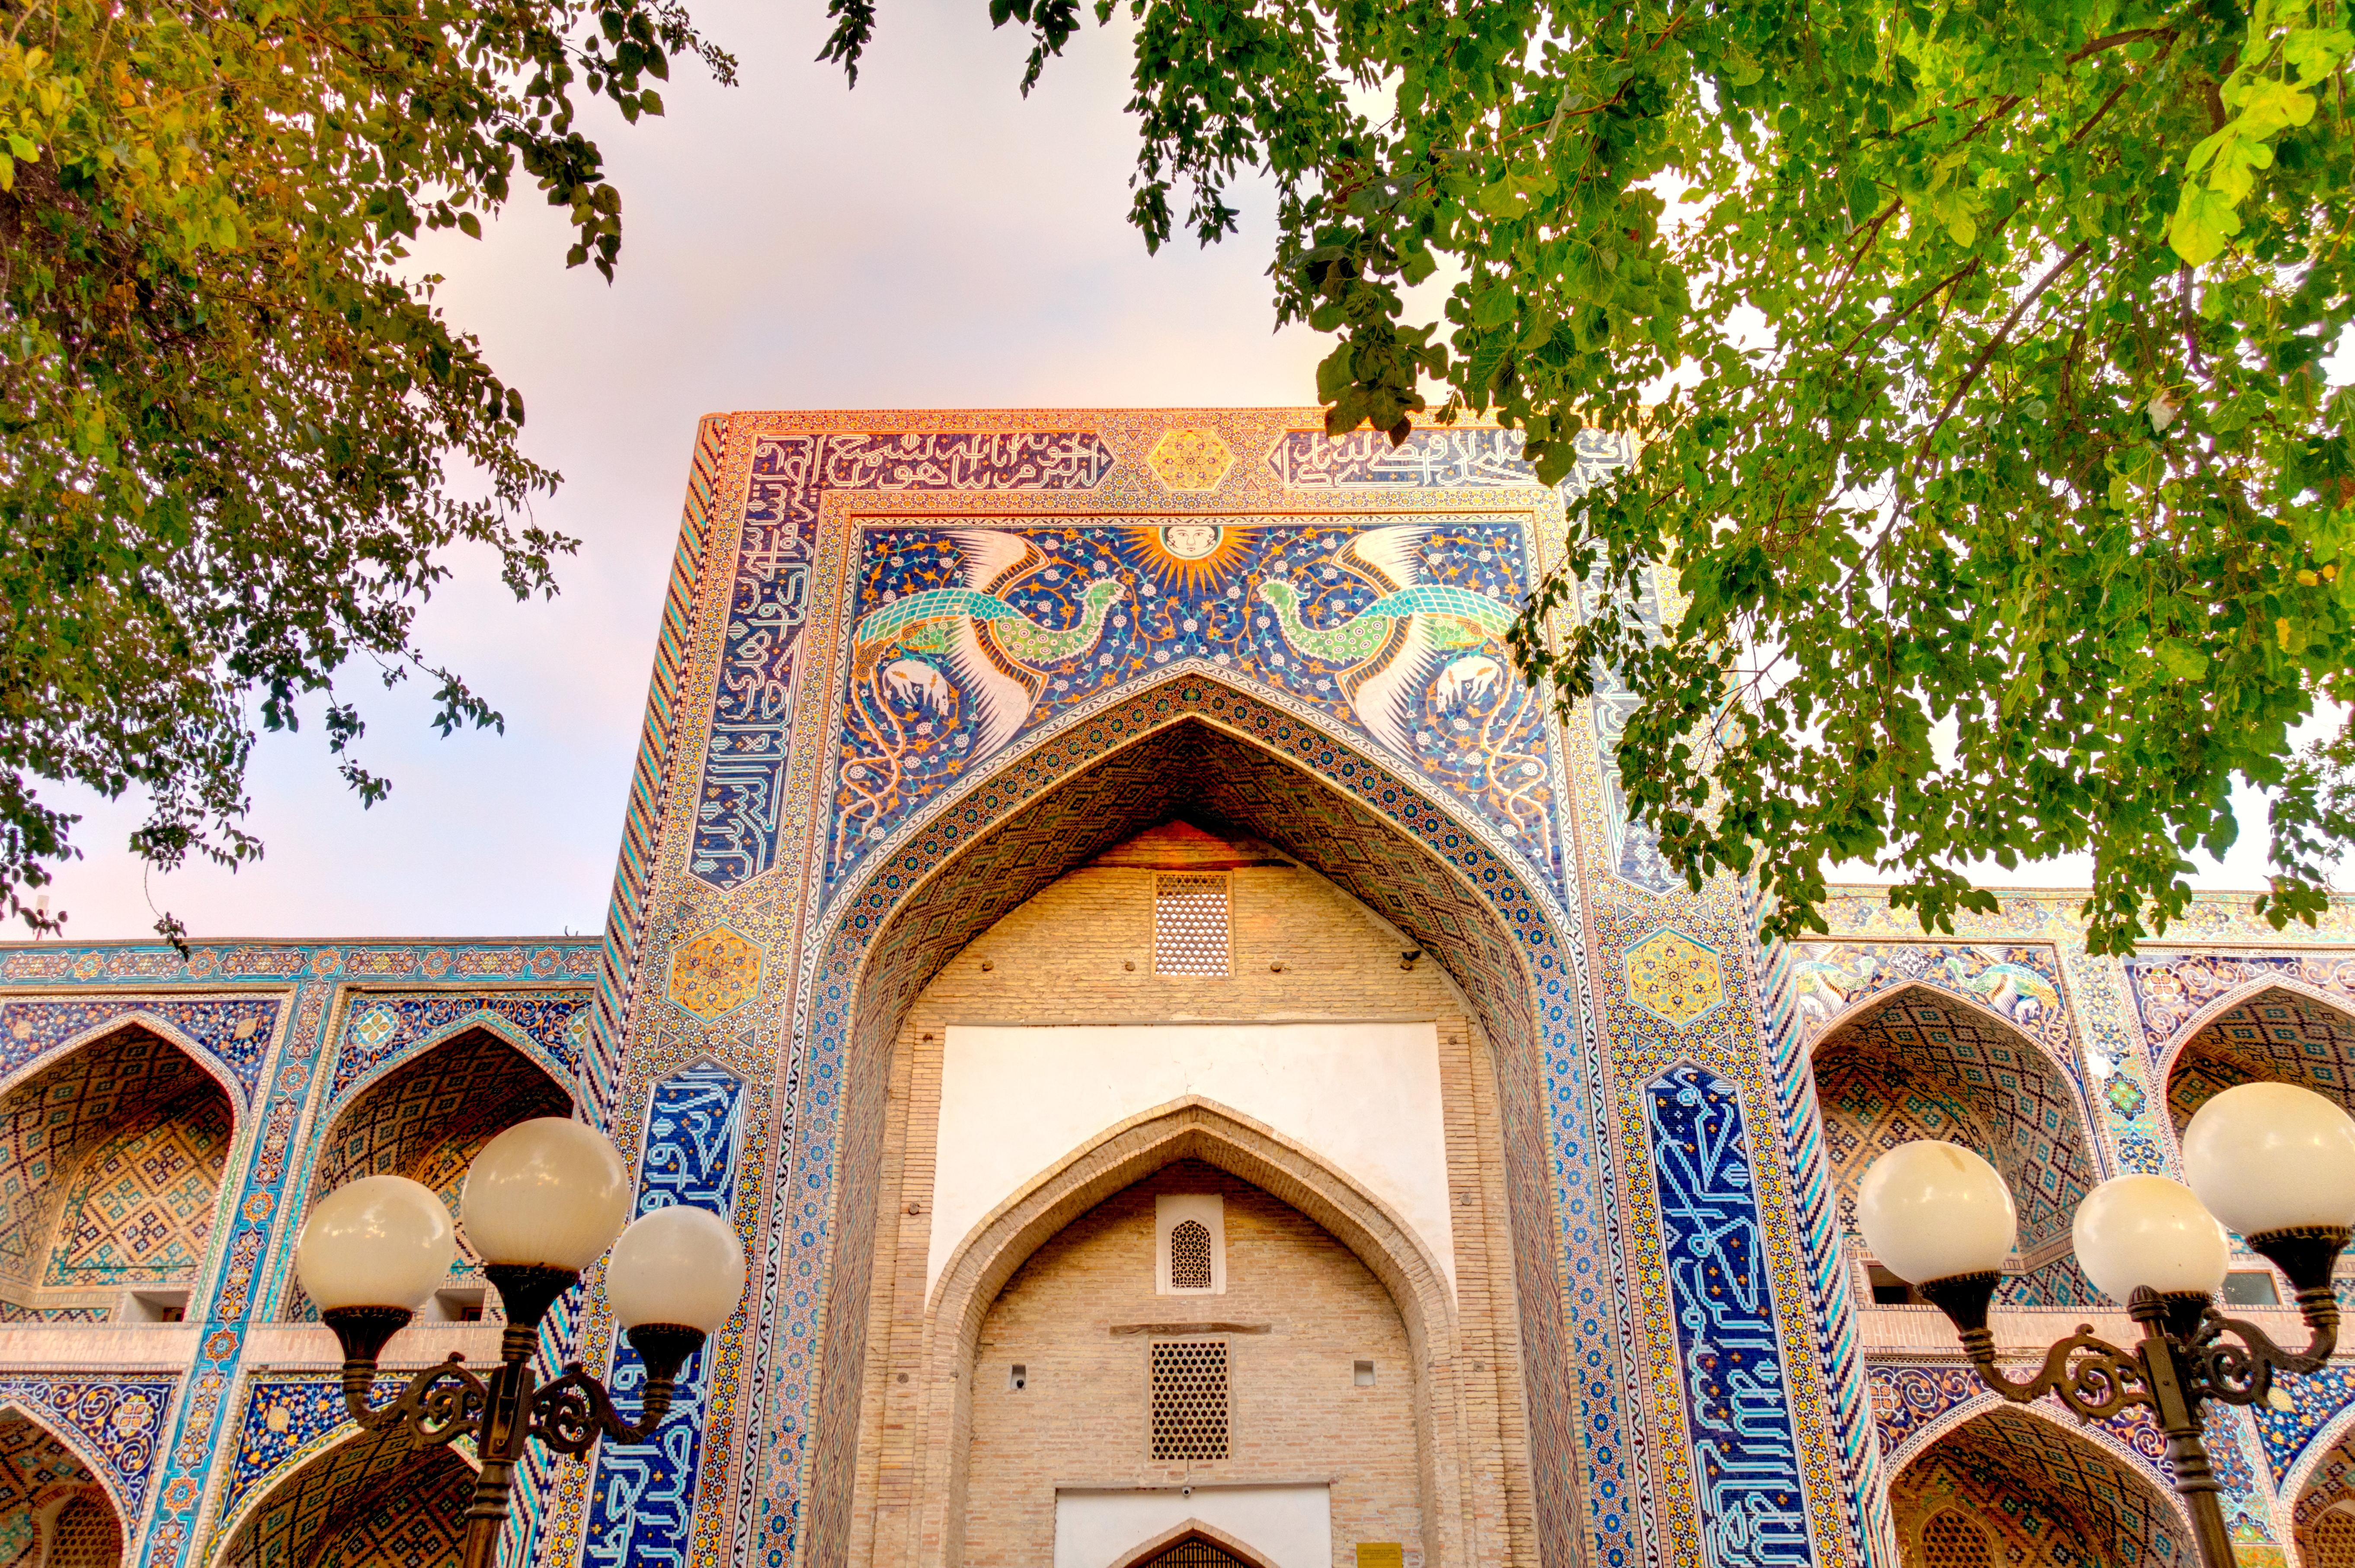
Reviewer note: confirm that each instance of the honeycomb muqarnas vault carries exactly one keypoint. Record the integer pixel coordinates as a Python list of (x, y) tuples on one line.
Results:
[(1204, 1070)]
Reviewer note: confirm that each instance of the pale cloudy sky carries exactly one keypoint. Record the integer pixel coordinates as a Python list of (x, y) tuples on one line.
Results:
[(930, 240)]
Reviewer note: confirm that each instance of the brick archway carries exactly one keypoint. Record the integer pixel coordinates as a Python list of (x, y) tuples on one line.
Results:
[(1379, 839)]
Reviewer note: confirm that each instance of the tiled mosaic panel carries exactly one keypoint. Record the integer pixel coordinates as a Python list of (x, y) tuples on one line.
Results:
[(64, 1116), (142, 1206), (744, 764), (1087, 789), (643, 1504), (2329, 1483), (416, 1519), (1923, 1068), (427, 1119), (236, 1032), (297, 1517), (968, 637), (378, 1027), (2171, 989), (118, 1418), (32, 1461), (1746, 1458), (2019, 983), (2313, 1399), (2053, 1496), (2277, 1036)]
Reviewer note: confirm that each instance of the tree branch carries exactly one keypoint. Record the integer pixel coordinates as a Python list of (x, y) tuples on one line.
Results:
[(1986, 350)]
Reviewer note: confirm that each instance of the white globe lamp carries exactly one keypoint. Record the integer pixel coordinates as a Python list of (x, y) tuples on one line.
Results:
[(2276, 1163)]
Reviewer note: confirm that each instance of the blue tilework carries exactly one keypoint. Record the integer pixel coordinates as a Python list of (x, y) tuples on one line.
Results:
[(120, 1418), (377, 1028), (236, 1032), (1753, 1508), (642, 1503)]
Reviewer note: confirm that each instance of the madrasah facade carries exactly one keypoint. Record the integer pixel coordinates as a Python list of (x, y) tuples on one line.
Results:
[(1205, 1073)]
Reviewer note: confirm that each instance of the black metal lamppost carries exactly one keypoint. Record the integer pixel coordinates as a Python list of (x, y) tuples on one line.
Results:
[(543, 1201), (2274, 1162)]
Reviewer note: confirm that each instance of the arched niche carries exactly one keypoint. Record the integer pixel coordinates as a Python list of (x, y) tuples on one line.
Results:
[(112, 1158), (2321, 1492), (426, 1119), (1922, 1064), (2277, 1035), (1196, 1543), (375, 1501), (2034, 1494), (1049, 813), (53, 1508)]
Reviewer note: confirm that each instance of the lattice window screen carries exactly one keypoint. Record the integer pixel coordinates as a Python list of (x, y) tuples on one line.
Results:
[(1190, 1256), (1195, 1552), (1952, 1541), (2334, 1541), (86, 1536), (1189, 1399), (1189, 925)]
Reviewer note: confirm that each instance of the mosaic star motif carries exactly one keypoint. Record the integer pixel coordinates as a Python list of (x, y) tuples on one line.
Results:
[(1674, 978), (714, 974), (1190, 459)]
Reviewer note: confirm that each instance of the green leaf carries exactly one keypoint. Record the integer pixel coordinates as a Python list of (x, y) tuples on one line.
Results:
[(2204, 222)]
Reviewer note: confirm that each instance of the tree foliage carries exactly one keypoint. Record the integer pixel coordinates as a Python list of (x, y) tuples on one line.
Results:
[(1977, 347), (229, 416)]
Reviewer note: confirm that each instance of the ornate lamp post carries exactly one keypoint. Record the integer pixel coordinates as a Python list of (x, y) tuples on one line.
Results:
[(2273, 1162), (542, 1202)]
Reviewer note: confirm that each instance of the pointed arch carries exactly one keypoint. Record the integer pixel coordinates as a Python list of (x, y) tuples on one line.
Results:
[(2036, 1479), (82, 1450), (285, 1518), (425, 1118), (1178, 1535), (1195, 742), (134, 1017), (2307, 1038), (482, 1021), (1917, 1062)]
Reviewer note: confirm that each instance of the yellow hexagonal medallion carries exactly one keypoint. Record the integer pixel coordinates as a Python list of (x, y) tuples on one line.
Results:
[(1674, 978), (1189, 459), (715, 973)]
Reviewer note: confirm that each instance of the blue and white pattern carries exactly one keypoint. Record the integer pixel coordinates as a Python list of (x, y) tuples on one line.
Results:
[(1746, 1462), (644, 1500)]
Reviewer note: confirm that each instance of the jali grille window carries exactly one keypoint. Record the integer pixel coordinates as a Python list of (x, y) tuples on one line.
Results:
[(1190, 1256), (1952, 1541), (2333, 1541), (1189, 924), (1189, 1399), (1195, 1552)]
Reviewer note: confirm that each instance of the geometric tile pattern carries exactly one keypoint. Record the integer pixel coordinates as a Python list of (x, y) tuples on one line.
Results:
[(2275, 1036), (415, 1519), (1674, 978), (299, 1515), (142, 1205), (714, 973), (2313, 1399), (2170, 989), (237, 1033), (380, 1026), (2330, 1483), (1190, 459), (1921, 1067), (2051, 1496), (31, 1462), (2021, 984), (118, 1150), (120, 1418), (427, 1118)]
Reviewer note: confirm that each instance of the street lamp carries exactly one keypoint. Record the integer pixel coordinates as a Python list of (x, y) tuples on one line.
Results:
[(542, 1200), (2274, 1162)]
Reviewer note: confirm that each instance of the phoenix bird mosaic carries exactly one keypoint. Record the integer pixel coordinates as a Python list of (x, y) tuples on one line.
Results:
[(966, 635)]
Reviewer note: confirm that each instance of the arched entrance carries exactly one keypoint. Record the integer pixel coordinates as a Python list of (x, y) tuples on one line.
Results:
[(1922, 1064), (2322, 1511), (1196, 749), (54, 1513), (427, 1119), (2275, 1036), (111, 1165), (374, 1500), (2008, 1488)]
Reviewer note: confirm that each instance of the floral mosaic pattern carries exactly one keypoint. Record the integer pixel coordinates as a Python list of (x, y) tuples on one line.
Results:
[(118, 1418), (2275, 1036), (967, 638), (553, 1024), (2021, 985), (2054, 1496), (235, 1033)]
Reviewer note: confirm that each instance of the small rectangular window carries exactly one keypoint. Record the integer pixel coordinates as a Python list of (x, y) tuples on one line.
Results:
[(1018, 1378), (1189, 1399), (2251, 1288), (1888, 1290), (1189, 924), (1364, 1373)]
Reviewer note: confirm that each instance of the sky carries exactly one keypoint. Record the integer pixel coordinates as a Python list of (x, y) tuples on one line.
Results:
[(930, 240)]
